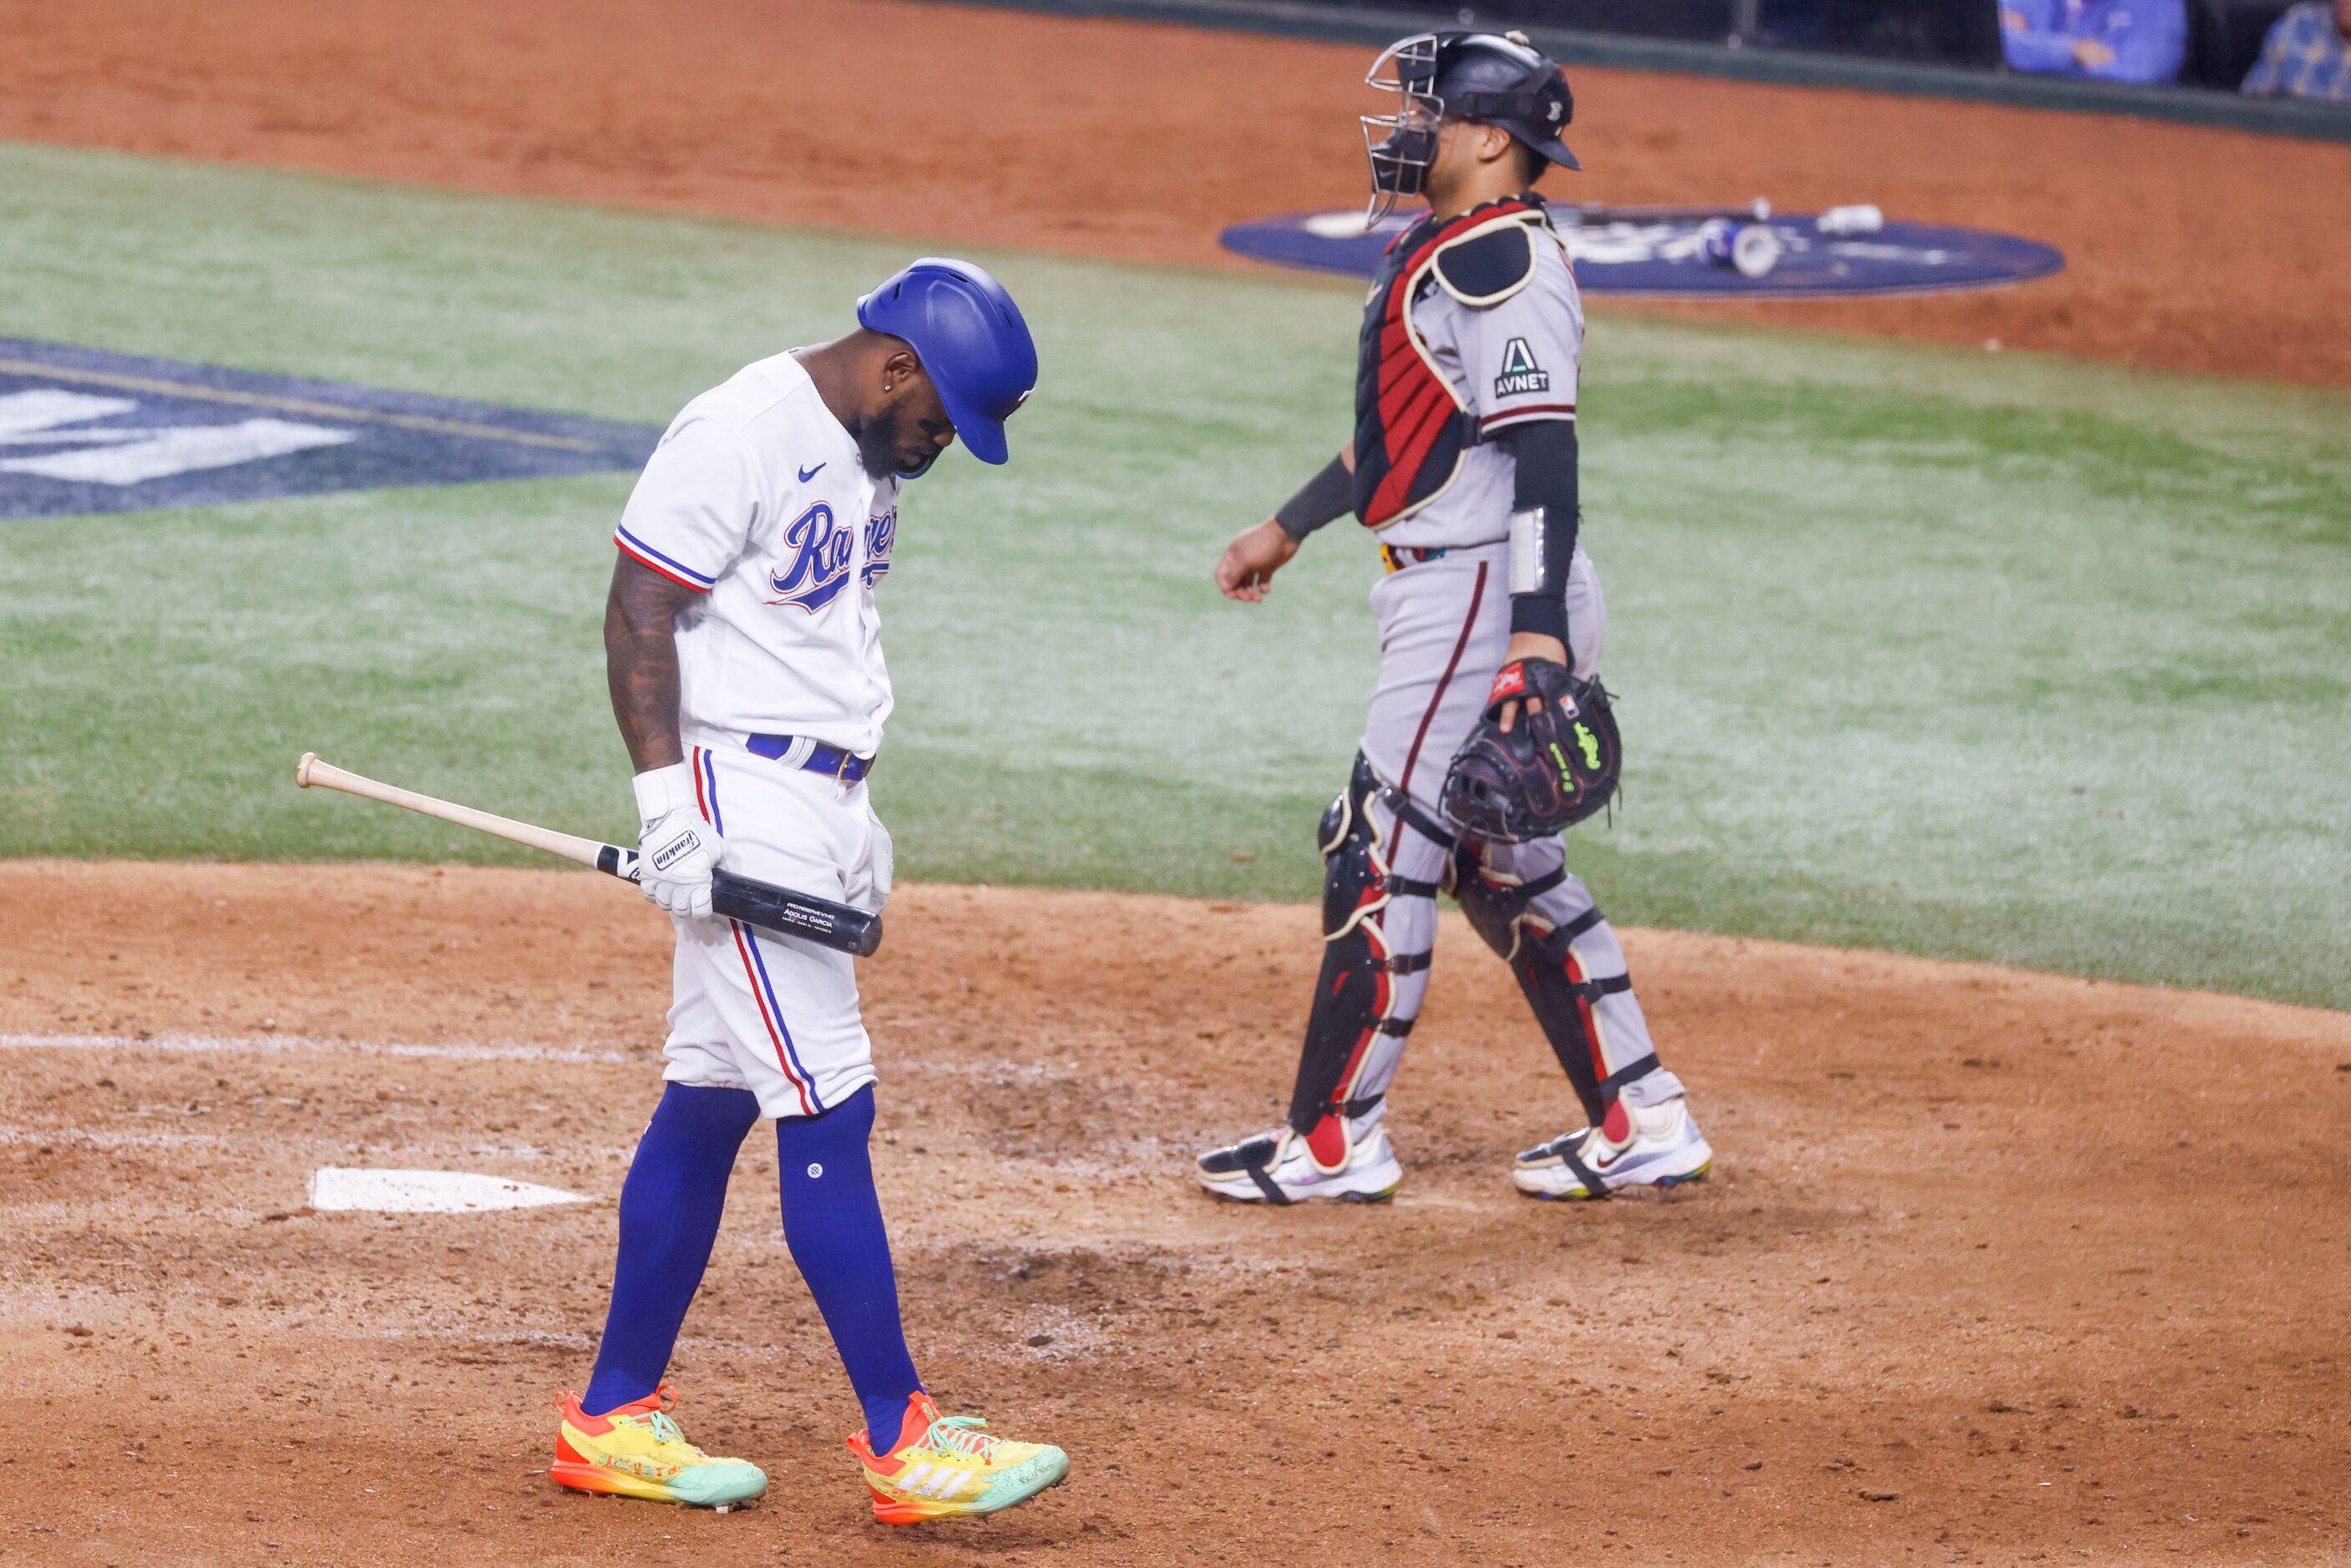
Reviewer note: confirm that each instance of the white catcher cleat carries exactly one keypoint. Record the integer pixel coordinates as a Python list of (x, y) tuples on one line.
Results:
[(1279, 1167), (1661, 1148)]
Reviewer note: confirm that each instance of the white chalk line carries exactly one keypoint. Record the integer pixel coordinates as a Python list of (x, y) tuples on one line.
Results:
[(282, 1044), (167, 1042), (322, 1144), (86, 1137)]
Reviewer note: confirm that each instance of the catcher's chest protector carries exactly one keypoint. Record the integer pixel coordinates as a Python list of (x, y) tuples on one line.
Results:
[(1412, 427)]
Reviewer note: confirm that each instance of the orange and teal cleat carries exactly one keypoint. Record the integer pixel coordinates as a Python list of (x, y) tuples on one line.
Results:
[(942, 1466), (638, 1451)]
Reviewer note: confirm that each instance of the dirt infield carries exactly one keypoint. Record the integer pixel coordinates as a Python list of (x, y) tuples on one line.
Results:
[(1996, 1266), (2188, 248)]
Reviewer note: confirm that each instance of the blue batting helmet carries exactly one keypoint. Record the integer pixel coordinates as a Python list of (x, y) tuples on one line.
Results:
[(970, 337)]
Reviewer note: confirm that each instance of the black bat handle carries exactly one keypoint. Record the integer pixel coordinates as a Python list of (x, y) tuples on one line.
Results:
[(774, 908), (770, 907)]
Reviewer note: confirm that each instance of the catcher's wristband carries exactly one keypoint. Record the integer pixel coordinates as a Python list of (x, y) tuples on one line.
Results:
[(1538, 580), (1531, 564)]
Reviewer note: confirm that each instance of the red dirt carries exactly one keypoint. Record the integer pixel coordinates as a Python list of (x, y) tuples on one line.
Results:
[(2188, 248), (2053, 1268)]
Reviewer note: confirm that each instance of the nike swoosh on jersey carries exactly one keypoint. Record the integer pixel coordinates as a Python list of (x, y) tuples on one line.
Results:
[(809, 473)]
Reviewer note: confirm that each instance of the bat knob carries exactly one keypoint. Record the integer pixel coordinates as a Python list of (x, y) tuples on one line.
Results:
[(870, 941), (302, 770)]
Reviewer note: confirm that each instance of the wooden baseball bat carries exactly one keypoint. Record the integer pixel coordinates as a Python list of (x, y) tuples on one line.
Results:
[(743, 899)]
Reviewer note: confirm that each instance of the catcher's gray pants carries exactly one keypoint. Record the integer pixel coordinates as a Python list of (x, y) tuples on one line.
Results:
[(1443, 627)]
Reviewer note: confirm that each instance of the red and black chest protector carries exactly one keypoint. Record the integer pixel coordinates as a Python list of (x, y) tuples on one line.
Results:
[(1411, 430)]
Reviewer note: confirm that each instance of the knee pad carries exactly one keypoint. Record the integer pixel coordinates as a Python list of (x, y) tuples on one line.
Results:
[(1354, 995), (1496, 903), (1543, 959)]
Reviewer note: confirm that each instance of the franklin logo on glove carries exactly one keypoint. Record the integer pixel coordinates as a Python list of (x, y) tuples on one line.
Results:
[(677, 847), (669, 854)]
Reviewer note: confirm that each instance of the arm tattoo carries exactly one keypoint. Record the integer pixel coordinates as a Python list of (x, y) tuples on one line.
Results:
[(641, 660)]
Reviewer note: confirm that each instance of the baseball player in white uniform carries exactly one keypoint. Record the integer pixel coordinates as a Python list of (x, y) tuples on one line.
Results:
[(744, 652), (1464, 461)]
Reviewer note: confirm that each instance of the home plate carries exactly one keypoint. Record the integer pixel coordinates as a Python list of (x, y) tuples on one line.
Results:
[(427, 1191)]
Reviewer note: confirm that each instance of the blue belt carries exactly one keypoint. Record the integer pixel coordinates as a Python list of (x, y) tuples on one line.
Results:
[(819, 758)]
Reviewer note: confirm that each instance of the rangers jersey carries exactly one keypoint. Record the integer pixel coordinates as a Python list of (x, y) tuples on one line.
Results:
[(756, 500)]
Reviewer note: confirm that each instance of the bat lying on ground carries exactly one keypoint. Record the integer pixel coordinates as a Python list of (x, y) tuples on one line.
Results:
[(1858, 218), (1598, 214), (761, 904)]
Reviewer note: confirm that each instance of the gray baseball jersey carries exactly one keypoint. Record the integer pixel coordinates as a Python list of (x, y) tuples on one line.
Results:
[(1510, 363)]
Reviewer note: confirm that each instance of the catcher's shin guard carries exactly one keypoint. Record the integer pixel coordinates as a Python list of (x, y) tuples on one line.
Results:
[(1355, 997), (1506, 910)]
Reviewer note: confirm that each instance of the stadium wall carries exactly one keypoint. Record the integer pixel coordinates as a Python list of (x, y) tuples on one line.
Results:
[(1791, 67)]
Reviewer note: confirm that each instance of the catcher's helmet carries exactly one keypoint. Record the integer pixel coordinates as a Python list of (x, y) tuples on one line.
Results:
[(970, 337), (1492, 78)]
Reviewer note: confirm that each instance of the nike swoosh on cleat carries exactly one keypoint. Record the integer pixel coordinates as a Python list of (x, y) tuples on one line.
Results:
[(809, 473)]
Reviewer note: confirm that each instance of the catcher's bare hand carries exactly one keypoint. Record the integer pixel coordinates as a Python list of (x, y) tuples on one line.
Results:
[(1246, 571), (1528, 645)]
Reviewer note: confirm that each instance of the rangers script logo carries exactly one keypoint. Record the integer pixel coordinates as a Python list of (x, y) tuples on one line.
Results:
[(881, 533), (817, 550)]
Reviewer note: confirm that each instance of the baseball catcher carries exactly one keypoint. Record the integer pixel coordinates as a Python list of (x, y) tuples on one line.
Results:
[(1488, 731)]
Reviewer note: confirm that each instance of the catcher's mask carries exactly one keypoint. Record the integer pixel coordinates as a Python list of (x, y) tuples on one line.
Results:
[(1494, 79)]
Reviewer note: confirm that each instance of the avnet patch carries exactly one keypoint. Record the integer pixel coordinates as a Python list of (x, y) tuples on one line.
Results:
[(84, 430)]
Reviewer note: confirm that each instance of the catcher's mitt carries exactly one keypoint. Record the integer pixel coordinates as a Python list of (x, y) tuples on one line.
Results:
[(1551, 772)]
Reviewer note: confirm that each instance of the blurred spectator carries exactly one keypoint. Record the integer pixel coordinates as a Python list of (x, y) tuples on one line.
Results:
[(2112, 40), (2307, 53)]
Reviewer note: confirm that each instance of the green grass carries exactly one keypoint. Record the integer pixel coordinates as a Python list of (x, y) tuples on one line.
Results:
[(1983, 655)]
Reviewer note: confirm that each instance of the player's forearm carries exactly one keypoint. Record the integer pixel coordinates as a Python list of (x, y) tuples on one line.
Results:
[(641, 662), (1542, 527), (1324, 498)]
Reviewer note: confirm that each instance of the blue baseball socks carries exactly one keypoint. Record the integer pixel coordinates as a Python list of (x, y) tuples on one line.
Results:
[(669, 1218), (670, 1207), (832, 1221)]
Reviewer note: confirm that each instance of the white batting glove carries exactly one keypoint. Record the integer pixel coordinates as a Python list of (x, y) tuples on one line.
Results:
[(676, 850)]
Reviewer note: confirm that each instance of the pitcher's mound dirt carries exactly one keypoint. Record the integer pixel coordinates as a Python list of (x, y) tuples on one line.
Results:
[(1994, 1266)]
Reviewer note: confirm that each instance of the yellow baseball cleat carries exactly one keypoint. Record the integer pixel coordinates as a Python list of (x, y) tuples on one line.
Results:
[(944, 1466), (638, 1451)]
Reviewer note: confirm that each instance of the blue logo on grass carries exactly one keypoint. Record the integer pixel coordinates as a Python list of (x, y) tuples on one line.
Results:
[(84, 431), (1662, 252)]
